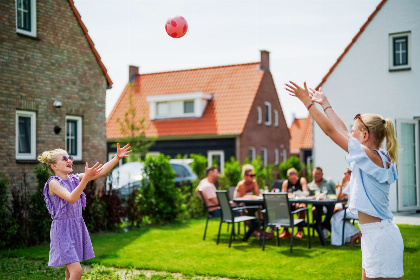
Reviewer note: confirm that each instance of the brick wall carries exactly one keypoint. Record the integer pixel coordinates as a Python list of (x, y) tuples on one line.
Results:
[(261, 135), (57, 65)]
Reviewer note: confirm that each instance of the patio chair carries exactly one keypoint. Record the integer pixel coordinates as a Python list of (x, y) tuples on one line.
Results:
[(344, 223), (228, 214), (231, 192), (209, 216), (278, 214)]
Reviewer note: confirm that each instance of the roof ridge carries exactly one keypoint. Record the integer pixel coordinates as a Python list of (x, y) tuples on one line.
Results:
[(202, 68), (370, 18)]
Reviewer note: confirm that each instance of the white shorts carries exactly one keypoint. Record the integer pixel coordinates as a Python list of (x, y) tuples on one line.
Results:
[(382, 250)]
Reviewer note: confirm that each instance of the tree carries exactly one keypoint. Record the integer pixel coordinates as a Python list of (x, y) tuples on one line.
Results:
[(134, 131)]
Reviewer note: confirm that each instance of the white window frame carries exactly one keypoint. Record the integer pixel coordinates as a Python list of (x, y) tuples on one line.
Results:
[(32, 154), (267, 107), (276, 118), (79, 121), (252, 149), (32, 12), (264, 156), (259, 115), (276, 156), (401, 161), (221, 153), (391, 51)]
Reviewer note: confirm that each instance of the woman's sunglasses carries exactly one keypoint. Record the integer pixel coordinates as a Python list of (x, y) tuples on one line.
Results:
[(65, 158), (359, 117), (251, 175)]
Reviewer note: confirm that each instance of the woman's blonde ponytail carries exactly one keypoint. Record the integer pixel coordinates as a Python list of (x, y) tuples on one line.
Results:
[(391, 141)]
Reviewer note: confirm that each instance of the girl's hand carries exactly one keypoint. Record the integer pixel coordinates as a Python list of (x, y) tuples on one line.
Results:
[(123, 152), (317, 96), (301, 93), (90, 173)]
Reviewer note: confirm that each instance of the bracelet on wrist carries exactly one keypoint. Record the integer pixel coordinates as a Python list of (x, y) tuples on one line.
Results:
[(309, 106), (327, 108), (119, 158)]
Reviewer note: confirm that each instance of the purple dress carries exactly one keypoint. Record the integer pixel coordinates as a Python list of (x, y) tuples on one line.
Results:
[(70, 241)]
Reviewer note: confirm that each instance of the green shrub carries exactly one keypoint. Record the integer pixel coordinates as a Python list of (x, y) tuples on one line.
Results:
[(232, 174), (40, 219), (8, 229), (159, 200), (199, 165)]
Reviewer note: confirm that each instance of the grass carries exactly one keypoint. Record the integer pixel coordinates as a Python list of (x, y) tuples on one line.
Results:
[(180, 248)]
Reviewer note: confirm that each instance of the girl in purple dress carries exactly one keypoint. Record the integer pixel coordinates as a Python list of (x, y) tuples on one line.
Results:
[(64, 197)]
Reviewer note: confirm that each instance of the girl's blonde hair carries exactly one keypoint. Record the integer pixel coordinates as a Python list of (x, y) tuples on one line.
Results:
[(246, 168), (382, 129), (50, 157)]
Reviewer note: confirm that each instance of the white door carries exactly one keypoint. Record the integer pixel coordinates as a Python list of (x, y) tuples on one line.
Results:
[(216, 158), (408, 165)]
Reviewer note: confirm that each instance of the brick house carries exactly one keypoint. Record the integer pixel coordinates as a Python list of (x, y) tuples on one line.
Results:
[(219, 112), (52, 87), (301, 139)]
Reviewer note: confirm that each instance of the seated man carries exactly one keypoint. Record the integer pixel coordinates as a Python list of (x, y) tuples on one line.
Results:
[(321, 185), (208, 190)]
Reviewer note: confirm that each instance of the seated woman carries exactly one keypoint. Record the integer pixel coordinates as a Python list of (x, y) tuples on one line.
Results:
[(351, 233), (294, 183), (248, 185)]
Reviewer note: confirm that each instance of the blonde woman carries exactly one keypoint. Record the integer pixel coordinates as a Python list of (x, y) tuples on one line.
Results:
[(64, 197), (373, 170), (248, 185)]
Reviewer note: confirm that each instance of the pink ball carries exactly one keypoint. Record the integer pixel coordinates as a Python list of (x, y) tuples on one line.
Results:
[(176, 26)]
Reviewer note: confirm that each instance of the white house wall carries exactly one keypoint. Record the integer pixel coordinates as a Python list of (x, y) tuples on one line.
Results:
[(362, 82)]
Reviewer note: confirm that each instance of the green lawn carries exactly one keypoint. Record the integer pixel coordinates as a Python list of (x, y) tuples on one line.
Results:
[(180, 248)]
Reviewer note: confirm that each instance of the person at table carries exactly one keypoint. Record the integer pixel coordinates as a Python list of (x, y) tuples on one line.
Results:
[(351, 233), (340, 189), (319, 184), (248, 185), (208, 190), (292, 184)]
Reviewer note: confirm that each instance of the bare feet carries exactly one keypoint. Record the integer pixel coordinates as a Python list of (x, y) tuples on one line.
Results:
[(286, 234), (299, 235)]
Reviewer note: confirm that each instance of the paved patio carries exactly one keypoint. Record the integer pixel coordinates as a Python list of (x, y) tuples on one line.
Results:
[(408, 218)]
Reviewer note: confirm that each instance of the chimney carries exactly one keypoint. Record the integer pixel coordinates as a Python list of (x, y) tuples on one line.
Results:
[(265, 60), (133, 71)]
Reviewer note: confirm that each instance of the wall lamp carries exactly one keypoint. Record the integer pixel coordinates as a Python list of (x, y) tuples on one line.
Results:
[(57, 104)]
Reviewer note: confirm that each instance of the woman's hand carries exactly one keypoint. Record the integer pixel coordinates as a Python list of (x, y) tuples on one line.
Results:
[(123, 152), (301, 93), (317, 96), (90, 173)]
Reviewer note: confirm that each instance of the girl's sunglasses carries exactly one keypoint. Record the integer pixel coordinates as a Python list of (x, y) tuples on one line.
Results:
[(359, 117), (65, 158)]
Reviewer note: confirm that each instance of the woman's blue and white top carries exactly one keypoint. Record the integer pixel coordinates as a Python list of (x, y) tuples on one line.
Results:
[(369, 183)]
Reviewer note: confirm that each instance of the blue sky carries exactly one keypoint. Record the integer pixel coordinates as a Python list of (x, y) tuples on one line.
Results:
[(304, 37)]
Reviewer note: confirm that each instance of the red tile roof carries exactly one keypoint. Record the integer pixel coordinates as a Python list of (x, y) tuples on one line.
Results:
[(234, 88), (300, 135), (370, 18), (91, 44)]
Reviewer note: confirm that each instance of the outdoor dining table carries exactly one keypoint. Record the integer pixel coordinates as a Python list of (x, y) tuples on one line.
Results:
[(319, 204)]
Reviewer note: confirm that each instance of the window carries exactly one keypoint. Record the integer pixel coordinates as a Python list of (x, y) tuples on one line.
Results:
[(74, 136), (182, 105), (276, 156), (251, 153), (399, 58), (25, 135), (264, 156), (276, 118), (216, 158), (259, 115), (267, 113), (26, 17)]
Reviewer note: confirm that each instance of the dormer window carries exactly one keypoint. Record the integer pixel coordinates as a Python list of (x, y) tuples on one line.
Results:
[(184, 105), (26, 17)]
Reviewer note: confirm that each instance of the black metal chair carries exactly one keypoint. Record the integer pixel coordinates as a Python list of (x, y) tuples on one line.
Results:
[(228, 214), (278, 214), (209, 216)]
